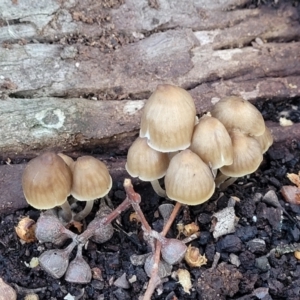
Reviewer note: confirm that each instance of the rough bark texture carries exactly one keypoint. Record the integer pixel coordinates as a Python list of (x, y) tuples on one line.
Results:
[(74, 75)]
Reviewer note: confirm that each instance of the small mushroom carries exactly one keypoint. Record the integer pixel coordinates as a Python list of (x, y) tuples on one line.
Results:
[(212, 143), (46, 183), (78, 270), (168, 119), (91, 180), (147, 164), (247, 156), (237, 113), (67, 159), (55, 262), (188, 179), (265, 140)]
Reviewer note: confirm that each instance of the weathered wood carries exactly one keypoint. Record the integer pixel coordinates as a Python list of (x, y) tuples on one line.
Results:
[(59, 57)]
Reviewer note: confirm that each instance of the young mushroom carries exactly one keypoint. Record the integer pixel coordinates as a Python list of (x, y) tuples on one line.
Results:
[(47, 182), (168, 119), (247, 156), (91, 180), (265, 140), (212, 143), (237, 113), (147, 164), (188, 179)]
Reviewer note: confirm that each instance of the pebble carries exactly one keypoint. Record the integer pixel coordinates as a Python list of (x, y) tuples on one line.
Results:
[(256, 246), (122, 282), (262, 263)]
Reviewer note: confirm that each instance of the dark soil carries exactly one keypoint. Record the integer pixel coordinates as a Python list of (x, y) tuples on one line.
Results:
[(261, 228)]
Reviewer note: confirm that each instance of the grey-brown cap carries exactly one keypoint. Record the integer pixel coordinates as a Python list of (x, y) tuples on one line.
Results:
[(237, 113), (265, 140), (212, 142), (91, 179), (168, 119), (247, 155), (46, 181), (145, 162), (188, 179)]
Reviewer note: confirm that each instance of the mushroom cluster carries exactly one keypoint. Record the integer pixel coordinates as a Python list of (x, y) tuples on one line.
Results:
[(229, 141), (48, 180)]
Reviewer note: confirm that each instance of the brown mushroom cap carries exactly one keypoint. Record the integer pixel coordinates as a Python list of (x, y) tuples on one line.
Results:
[(188, 179), (91, 179), (237, 113), (46, 181), (265, 140), (212, 142), (67, 159), (145, 162), (247, 155), (168, 119)]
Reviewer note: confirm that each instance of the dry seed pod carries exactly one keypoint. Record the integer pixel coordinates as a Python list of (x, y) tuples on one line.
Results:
[(184, 278), (190, 229), (164, 269), (173, 251), (50, 229), (6, 291), (96, 230), (55, 262), (194, 258), (78, 270), (25, 230)]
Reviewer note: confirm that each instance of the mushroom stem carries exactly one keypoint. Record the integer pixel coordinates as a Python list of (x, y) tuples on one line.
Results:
[(227, 183), (66, 212), (87, 209), (158, 189), (220, 179)]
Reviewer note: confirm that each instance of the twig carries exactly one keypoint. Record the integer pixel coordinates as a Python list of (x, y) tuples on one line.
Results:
[(155, 280)]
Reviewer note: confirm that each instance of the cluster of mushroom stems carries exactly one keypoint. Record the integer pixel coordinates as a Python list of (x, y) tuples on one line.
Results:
[(193, 155)]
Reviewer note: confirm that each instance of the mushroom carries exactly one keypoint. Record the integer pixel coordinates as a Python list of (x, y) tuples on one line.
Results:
[(237, 113), (265, 140), (46, 183), (188, 179), (247, 156), (147, 164), (91, 180), (67, 159), (168, 119), (212, 142)]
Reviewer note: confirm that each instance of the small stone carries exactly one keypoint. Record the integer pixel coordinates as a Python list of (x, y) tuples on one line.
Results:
[(234, 259), (246, 233), (256, 246), (132, 279), (122, 282), (271, 198), (262, 263), (225, 222), (230, 243)]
